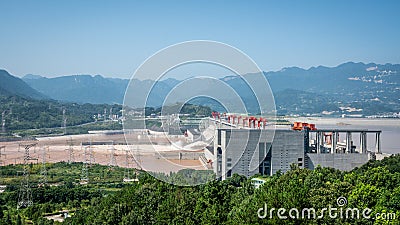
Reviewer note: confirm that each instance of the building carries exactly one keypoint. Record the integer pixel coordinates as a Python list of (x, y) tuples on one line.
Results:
[(257, 182), (262, 151), (255, 151)]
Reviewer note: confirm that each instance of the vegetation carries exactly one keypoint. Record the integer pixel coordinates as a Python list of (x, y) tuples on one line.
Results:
[(45, 116), (375, 185), (78, 129), (63, 191), (187, 109)]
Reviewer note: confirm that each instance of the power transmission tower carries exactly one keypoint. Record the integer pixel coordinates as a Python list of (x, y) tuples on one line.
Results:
[(85, 171), (71, 151), (64, 122), (3, 122), (43, 171), (136, 160), (4, 148), (112, 162), (1, 155), (25, 193), (127, 177), (91, 155)]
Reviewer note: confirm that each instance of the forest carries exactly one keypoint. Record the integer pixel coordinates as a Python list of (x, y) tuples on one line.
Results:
[(29, 117), (107, 200), (24, 114)]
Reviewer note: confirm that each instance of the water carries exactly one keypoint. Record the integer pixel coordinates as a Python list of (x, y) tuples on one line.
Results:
[(390, 136)]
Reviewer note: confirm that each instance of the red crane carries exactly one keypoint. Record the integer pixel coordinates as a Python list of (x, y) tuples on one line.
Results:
[(262, 121), (301, 126), (244, 120), (233, 119), (215, 115), (252, 120)]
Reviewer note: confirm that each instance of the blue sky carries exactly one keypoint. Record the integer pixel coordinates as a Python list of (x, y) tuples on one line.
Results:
[(112, 38)]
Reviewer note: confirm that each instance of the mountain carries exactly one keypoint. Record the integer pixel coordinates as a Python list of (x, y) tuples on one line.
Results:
[(350, 88), (80, 88), (291, 101), (31, 76), (10, 85), (353, 88), (347, 77), (97, 89)]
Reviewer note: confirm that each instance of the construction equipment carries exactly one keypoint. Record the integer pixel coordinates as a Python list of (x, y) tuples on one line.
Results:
[(302, 126)]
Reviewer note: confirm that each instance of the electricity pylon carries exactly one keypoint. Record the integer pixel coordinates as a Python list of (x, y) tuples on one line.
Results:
[(25, 193), (112, 162), (64, 122), (3, 122), (91, 155), (43, 171), (1, 155), (71, 151), (85, 172), (126, 171), (136, 160)]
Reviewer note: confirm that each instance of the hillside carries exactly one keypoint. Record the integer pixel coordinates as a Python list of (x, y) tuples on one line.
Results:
[(350, 88), (10, 85), (107, 200), (22, 114), (80, 88)]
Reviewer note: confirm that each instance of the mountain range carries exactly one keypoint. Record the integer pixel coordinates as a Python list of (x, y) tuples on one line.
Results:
[(350, 88), (79, 88), (11, 85)]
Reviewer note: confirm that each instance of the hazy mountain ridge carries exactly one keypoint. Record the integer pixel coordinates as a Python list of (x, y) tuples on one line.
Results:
[(81, 88), (374, 87)]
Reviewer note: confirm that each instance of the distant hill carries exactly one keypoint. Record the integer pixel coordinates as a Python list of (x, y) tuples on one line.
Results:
[(96, 89), (80, 88), (32, 76), (10, 86), (346, 78), (350, 88)]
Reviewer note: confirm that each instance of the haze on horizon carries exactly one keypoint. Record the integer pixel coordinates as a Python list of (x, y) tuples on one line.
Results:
[(55, 38)]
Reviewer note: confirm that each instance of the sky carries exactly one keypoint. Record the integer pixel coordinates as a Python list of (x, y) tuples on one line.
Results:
[(113, 38)]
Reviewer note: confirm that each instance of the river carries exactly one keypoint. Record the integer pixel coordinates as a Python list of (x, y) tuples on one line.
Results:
[(390, 137)]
